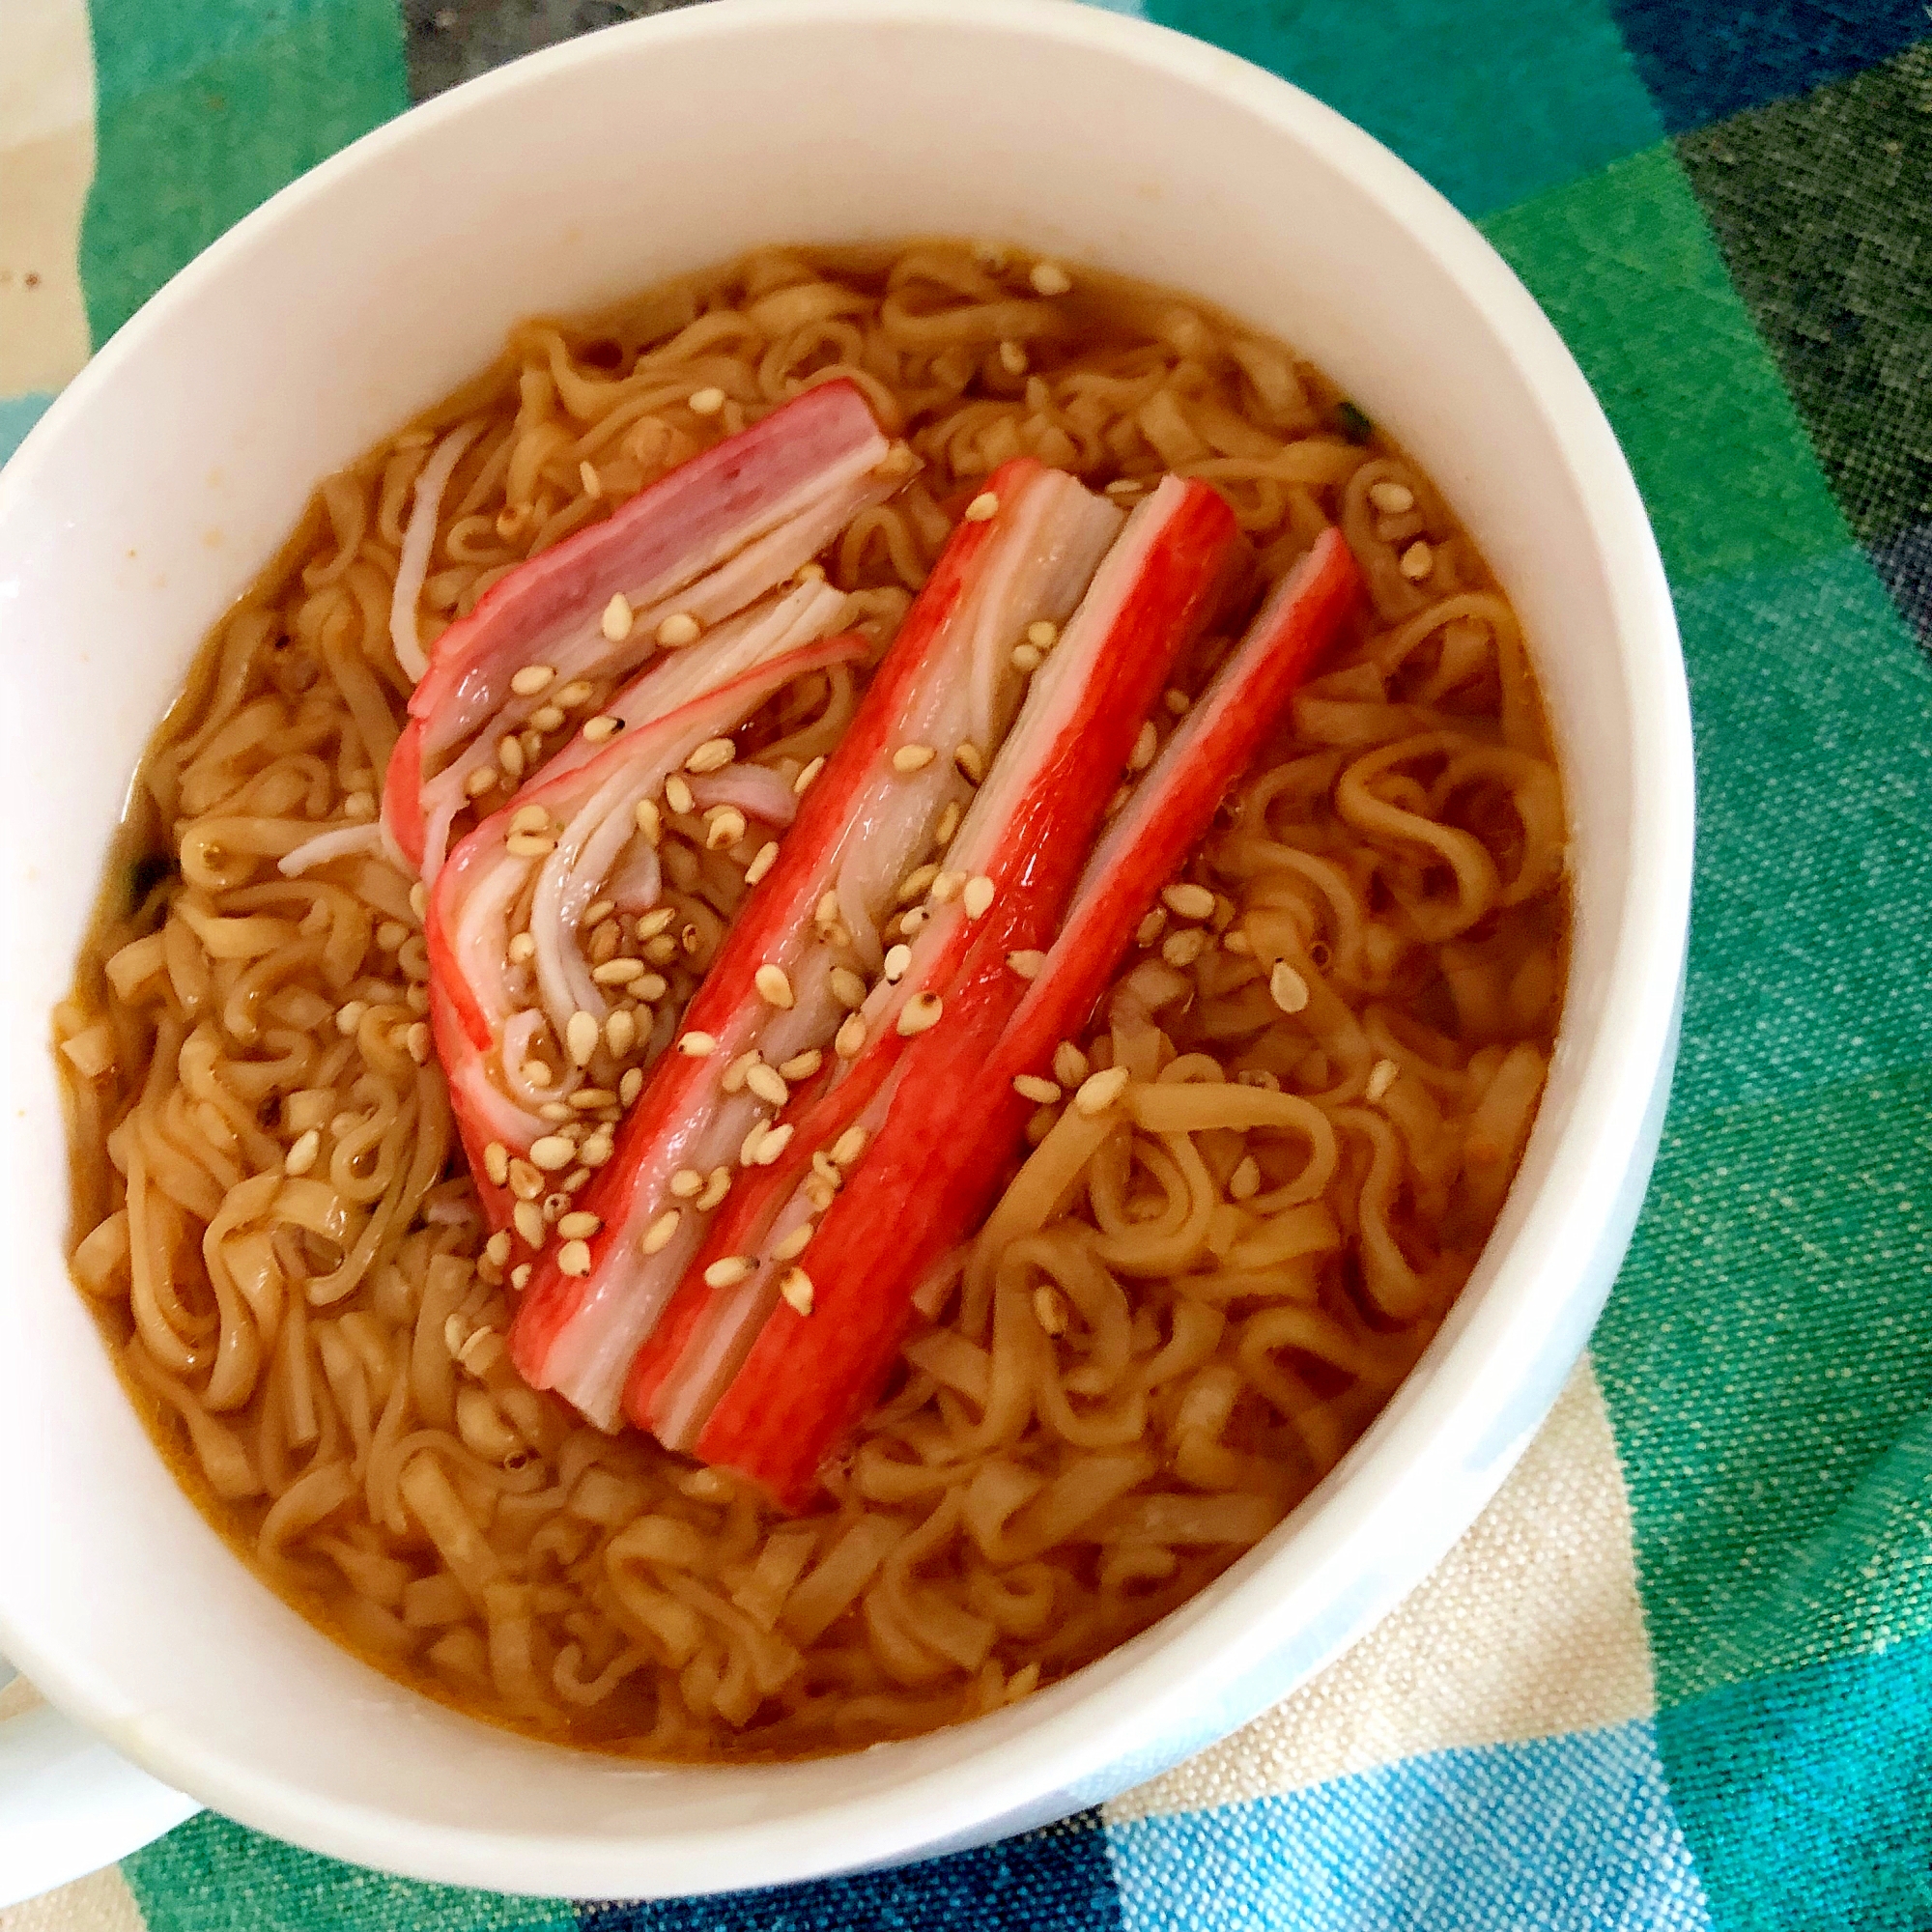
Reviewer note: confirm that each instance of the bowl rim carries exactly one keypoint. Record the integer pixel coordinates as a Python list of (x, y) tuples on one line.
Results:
[(1053, 1747)]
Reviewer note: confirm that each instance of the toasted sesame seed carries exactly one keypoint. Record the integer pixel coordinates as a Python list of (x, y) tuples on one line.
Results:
[(771, 1144), (1417, 561), (555, 1110), (1027, 963), (1049, 278), (706, 402), (662, 949), (531, 679), (553, 1154), (913, 757), (723, 826), (481, 780), (530, 1223), (970, 761), (617, 618), (697, 1046), (849, 1146), (679, 629), (578, 1226), (1183, 949), (819, 1191), (1070, 1067), (768, 1084), (1177, 703), (520, 1276), (580, 1034), (1026, 658), (650, 820), (1287, 987), (658, 1236), (1101, 1091), (984, 509), (529, 845), (1393, 500), (522, 949), (596, 731), (1382, 1075), (850, 1040), (948, 824), (617, 972), (976, 896), (713, 756), (1031, 1087), (917, 883), (677, 794), (526, 1182), (1145, 747), (946, 886), (796, 1288), (651, 923), (794, 1243), (302, 1156), (1013, 358), (648, 987), (772, 984), (510, 754), (1151, 927), (762, 861), (496, 1163), (497, 1246), (620, 1032), (597, 1150), (920, 1014), (803, 781), (1187, 901), (630, 1087), (898, 959), (716, 1187)]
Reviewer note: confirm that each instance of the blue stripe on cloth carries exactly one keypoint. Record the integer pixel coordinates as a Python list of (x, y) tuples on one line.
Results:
[(1568, 1834), (17, 415), (1054, 1880)]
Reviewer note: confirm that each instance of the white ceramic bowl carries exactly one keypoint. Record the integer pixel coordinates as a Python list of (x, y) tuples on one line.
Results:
[(172, 467)]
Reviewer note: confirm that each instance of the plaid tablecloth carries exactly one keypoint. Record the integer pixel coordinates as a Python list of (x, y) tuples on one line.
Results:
[(1681, 1674)]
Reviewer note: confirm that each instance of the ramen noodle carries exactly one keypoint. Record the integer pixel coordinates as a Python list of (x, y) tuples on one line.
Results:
[(1331, 1032)]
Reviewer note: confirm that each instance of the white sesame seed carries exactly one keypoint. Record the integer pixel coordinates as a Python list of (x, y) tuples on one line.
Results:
[(1393, 500), (794, 1243), (847, 989), (596, 731), (946, 886), (850, 1040), (697, 1046), (1049, 278), (679, 629), (1187, 901), (510, 754), (1183, 949), (912, 920), (551, 1154), (497, 1246), (1027, 963), (597, 1150), (802, 1066), (529, 845), (580, 1034), (1417, 561), (1100, 1090), (1177, 703), (1031, 1087), (706, 402), (658, 1236), (1049, 1309), (898, 959), (723, 826), (1145, 747), (771, 1144), (496, 1163), (1042, 635), (531, 679), (662, 949), (762, 861), (803, 781), (716, 1187), (984, 509), (849, 1146), (1382, 1075), (530, 1222), (976, 896), (617, 619), (1124, 486), (555, 1110), (913, 757), (970, 761), (768, 1084), (535, 1073), (479, 780), (530, 818), (1026, 658), (520, 1276), (917, 883), (826, 1168), (687, 1183), (1070, 1067), (1287, 987), (578, 691), (677, 794), (1238, 941), (772, 984), (302, 1156), (630, 1087), (948, 824), (713, 756), (598, 911), (819, 1191), (796, 1288), (620, 1033), (578, 1226), (650, 820), (920, 1014), (617, 972)]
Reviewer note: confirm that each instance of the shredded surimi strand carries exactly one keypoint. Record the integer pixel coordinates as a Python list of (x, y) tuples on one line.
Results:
[(413, 564)]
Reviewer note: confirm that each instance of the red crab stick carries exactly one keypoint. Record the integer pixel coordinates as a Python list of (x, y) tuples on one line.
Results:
[(1015, 862), (889, 786), (711, 537), (532, 871), (948, 1134)]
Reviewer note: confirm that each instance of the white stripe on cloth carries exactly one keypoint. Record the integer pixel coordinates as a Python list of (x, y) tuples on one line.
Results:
[(1530, 1628)]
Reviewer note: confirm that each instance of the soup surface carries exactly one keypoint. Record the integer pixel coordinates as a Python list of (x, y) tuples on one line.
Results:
[(1160, 1339)]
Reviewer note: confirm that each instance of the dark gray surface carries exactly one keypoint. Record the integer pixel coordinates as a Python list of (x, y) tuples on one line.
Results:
[(451, 41)]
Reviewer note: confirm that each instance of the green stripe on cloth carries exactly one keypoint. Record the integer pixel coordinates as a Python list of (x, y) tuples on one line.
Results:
[(213, 1876), (206, 107), (1627, 268)]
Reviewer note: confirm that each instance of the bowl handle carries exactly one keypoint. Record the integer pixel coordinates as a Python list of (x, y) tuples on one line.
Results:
[(67, 1804)]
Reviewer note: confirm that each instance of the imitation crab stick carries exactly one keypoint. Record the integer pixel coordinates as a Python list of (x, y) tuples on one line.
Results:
[(941, 1006), (776, 1005), (506, 913), (947, 1136), (699, 545)]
